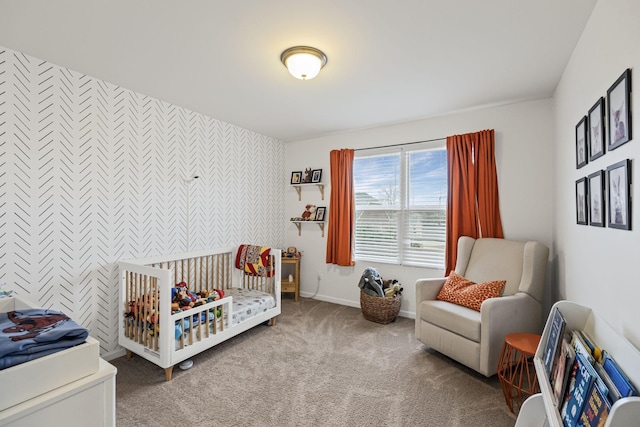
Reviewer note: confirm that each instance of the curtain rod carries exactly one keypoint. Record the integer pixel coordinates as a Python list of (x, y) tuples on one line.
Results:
[(401, 144)]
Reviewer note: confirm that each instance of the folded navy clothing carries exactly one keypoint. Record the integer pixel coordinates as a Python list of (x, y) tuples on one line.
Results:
[(33, 333)]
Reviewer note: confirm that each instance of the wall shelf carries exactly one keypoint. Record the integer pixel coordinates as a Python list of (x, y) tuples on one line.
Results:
[(299, 226), (298, 188)]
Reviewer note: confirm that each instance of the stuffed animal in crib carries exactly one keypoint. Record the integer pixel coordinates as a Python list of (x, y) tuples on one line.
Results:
[(180, 300), (309, 213), (211, 294), (183, 299)]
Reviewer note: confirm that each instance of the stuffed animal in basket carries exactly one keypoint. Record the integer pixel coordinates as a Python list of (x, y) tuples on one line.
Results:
[(371, 282), (393, 290)]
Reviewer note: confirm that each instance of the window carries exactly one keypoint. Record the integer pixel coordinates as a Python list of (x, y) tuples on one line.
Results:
[(401, 197)]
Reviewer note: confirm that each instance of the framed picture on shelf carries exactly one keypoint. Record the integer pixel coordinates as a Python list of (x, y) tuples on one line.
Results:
[(316, 175), (596, 130), (581, 143), (619, 111), (619, 203), (321, 212), (581, 201), (596, 199), (296, 177)]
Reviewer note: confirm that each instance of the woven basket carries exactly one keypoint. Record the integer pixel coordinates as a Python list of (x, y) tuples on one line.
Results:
[(380, 309)]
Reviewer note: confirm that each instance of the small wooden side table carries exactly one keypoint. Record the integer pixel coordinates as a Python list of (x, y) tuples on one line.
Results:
[(290, 266), (516, 371)]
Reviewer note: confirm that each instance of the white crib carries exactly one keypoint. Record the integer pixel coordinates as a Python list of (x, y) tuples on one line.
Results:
[(147, 326)]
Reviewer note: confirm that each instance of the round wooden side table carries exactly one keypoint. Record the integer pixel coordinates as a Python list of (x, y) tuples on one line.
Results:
[(516, 371)]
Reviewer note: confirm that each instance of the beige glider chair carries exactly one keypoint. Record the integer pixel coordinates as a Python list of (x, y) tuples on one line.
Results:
[(475, 338)]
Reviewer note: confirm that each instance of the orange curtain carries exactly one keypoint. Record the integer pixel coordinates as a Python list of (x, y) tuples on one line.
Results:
[(487, 179), (341, 209), (473, 205)]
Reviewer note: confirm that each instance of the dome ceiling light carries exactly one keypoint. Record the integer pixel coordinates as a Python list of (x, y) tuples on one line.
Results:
[(303, 62)]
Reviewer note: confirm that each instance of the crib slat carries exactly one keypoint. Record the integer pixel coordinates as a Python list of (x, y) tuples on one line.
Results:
[(127, 329), (156, 297), (144, 304)]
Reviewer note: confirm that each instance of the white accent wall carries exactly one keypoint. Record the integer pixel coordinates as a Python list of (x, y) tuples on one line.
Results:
[(524, 158), (598, 267), (92, 173)]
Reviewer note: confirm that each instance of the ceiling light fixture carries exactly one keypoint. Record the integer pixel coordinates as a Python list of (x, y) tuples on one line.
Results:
[(303, 62)]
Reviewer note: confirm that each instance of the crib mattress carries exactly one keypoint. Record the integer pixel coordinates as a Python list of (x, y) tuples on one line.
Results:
[(248, 303)]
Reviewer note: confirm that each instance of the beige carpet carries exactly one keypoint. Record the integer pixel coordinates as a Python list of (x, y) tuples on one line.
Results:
[(321, 365)]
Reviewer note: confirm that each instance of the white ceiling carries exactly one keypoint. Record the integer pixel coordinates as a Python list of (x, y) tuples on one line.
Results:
[(388, 61)]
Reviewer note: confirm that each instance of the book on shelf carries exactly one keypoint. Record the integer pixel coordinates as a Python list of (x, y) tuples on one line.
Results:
[(580, 346), (595, 351), (552, 347), (579, 385), (562, 371), (595, 410), (618, 377), (614, 393), (598, 381)]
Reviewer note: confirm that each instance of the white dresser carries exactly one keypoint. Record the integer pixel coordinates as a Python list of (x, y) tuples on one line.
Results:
[(87, 402)]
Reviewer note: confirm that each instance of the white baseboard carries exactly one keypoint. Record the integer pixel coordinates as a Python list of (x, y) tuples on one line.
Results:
[(349, 303), (114, 354)]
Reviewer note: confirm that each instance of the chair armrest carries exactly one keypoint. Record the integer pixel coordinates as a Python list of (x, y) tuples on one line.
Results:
[(427, 289), (518, 312), (504, 315)]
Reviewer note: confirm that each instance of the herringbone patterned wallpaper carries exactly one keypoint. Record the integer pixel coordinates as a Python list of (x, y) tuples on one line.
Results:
[(92, 173)]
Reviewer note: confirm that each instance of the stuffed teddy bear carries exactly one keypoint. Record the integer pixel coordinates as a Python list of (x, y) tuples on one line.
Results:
[(309, 213)]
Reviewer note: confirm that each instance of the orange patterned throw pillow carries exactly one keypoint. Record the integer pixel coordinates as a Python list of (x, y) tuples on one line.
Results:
[(461, 291)]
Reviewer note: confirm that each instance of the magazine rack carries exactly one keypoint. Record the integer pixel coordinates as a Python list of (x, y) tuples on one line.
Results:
[(540, 410)]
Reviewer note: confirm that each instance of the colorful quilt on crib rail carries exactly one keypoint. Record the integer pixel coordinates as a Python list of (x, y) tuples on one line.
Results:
[(254, 260)]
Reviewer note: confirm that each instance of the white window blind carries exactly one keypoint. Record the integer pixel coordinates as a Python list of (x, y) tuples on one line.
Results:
[(400, 196)]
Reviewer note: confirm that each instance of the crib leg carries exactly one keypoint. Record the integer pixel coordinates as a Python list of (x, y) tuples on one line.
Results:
[(167, 373), (129, 354), (272, 321)]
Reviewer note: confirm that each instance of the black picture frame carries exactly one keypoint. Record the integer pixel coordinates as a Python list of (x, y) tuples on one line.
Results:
[(581, 143), (581, 201), (596, 130), (316, 175), (296, 177), (618, 200), (619, 111), (321, 213), (597, 211)]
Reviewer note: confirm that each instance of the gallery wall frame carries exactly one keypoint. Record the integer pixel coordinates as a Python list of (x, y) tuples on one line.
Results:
[(296, 177), (321, 213), (581, 143), (619, 111), (316, 175), (618, 195), (595, 190), (596, 130), (581, 201)]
